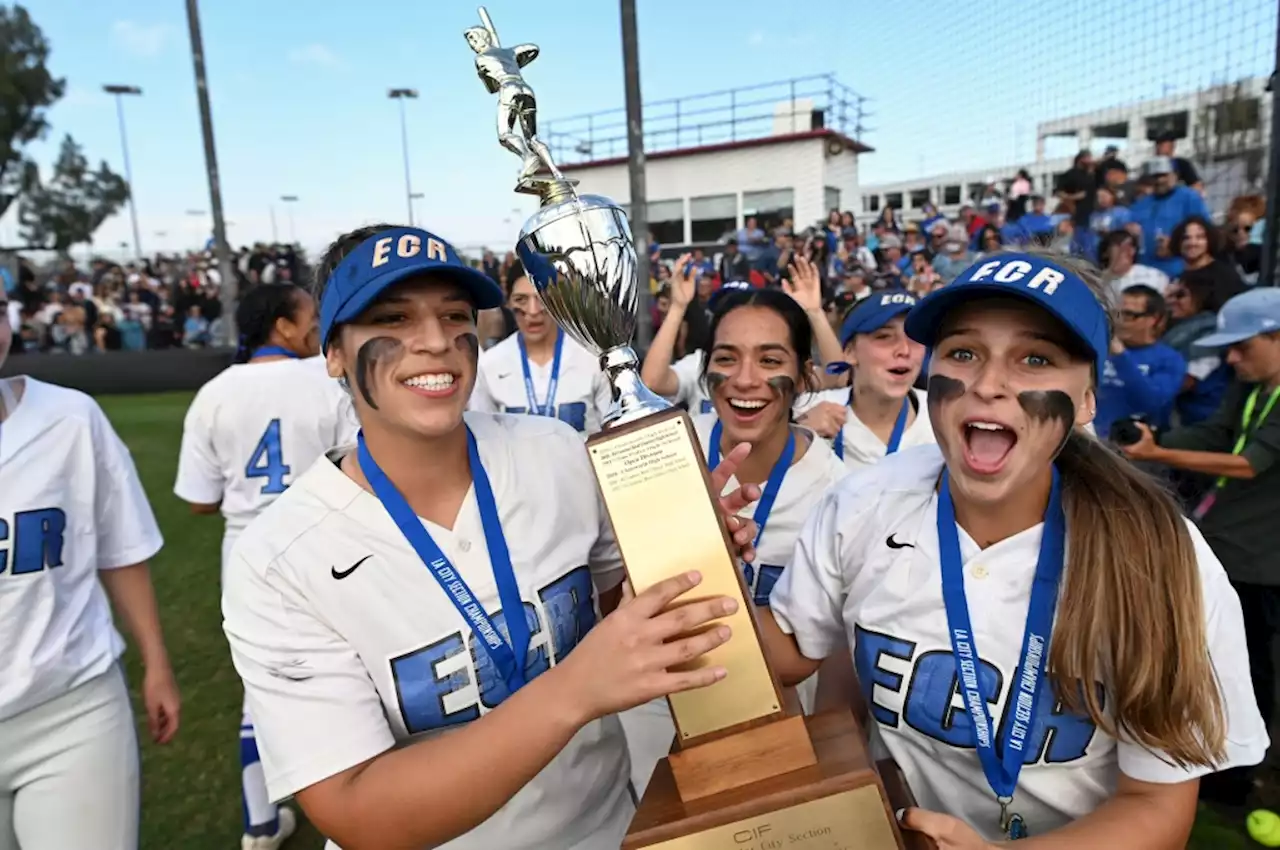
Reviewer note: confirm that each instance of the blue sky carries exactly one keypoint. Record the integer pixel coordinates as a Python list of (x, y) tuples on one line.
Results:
[(299, 97)]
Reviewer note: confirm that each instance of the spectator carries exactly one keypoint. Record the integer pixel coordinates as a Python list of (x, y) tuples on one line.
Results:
[(1142, 375), (1114, 175), (751, 240), (734, 265), (1107, 215), (1155, 216), (988, 240), (1241, 249), (1182, 167), (1193, 310), (955, 256), (1199, 244), (1078, 185), (107, 336), (195, 330), (1118, 255)]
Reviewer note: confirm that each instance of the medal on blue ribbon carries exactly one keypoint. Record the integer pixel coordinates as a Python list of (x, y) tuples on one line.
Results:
[(895, 437), (509, 659), (548, 409), (1001, 765)]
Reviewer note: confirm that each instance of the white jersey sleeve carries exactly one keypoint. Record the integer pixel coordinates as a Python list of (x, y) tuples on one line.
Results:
[(603, 394), (482, 399), (300, 678), (126, 527), (1247, 738), (200, 478)]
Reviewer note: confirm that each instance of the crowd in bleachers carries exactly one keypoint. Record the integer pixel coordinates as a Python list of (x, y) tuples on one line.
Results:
[(161, 302)]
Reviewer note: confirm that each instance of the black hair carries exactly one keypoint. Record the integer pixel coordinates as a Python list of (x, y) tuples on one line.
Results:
[(799, 331), (1111, 241), (258, 311), (1153, 301)]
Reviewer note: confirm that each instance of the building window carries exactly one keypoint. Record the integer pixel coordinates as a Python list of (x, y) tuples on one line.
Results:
[(951, 194), (666, 221), (831, 197), (769, 208), (713, 217), (919, 197), (893, 199), (870, 203)]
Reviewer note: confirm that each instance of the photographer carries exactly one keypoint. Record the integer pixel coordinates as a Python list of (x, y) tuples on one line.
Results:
[(1142, 375), (1239, 444)]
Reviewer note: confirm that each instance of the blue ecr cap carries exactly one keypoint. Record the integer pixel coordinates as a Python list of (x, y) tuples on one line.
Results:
[(1033, 278), (387, 258), (875, 311), (1246, 315), (726, 288)]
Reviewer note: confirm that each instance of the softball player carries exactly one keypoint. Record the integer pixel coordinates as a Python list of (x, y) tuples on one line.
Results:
[(540, 370), (942, 568), (75, 531), (880, 413), (367, 608), (248, 434)]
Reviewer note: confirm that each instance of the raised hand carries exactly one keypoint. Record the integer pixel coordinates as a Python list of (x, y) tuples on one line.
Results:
[(805, 286)]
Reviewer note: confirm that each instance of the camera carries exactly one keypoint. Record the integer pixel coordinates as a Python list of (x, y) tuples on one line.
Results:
[(1125, 432)]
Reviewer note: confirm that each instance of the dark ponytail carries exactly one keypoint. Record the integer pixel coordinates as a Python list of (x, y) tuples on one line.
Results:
[(258, 312)]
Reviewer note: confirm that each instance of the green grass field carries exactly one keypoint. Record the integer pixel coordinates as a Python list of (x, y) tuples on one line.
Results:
[(191, 788)]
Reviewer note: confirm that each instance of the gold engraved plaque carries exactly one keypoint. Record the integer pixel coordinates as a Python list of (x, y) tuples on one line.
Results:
[(850, 820), (651, 476)]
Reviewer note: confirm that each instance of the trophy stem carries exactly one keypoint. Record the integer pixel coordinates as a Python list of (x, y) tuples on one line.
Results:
[(632, 400)]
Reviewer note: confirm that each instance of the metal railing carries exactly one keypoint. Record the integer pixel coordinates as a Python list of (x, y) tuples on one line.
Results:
[(732, 115)]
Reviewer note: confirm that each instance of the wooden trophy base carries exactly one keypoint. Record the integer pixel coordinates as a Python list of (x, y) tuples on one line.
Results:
[(840, 800)]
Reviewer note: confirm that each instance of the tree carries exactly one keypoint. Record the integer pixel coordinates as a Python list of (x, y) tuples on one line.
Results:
[(74, 203), (26, 91)]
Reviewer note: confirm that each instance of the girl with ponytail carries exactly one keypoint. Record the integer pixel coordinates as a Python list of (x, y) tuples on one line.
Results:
[(1048, 648)]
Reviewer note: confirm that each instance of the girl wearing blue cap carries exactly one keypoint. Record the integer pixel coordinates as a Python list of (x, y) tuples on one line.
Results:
[(1047, 647), (880, 412), (370, 608)]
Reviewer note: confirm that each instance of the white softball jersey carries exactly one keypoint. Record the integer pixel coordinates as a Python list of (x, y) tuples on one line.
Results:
[(582, 392), (866, 573), (690, 390), (253, 429), (348, 647), (71, 505), (862, 447)]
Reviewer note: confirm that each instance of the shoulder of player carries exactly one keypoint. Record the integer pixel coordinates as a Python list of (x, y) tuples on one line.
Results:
[(56, 403), (303, 508), (501, 351), (896, 483)]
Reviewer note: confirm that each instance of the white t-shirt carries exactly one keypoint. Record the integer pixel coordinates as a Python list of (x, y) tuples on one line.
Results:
[(866, 573), (71, 504), (253, 429), (861, 445), (338, 671), (582, 394)]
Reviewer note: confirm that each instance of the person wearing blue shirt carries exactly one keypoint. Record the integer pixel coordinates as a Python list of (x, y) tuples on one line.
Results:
[(1142, 375), (1158, 213), (1036, 223)]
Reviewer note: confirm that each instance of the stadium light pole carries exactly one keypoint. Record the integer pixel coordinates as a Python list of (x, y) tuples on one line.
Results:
[(635, 166), (223, 254), (402, 95), (120, 92), (289, 201)]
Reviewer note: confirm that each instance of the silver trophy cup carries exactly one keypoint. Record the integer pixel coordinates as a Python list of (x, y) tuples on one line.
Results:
[(577, 249)]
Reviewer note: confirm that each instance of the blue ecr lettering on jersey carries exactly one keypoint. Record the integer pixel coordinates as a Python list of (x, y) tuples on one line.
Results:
[(33, 542), (267, 461), (423, 688), (706, 407), (931, 704)]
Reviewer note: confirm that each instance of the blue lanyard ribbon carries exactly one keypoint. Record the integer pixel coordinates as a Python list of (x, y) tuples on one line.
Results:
[(771, 487), (550, 408), (503, 654), (1002, 764), (273, 351), (895, 436)]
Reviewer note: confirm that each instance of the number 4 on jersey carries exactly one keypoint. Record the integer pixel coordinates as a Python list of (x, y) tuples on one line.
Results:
[(268, 461)]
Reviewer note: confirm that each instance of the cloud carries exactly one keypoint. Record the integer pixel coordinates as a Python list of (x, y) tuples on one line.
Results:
[(755, 39), (314, 54), (142, 40)]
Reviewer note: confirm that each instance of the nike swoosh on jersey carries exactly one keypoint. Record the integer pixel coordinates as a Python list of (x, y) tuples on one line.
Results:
[(894, 544), (349, 570)]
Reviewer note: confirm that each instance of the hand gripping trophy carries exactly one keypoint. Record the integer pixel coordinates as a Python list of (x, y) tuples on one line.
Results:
[(499, 70)]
